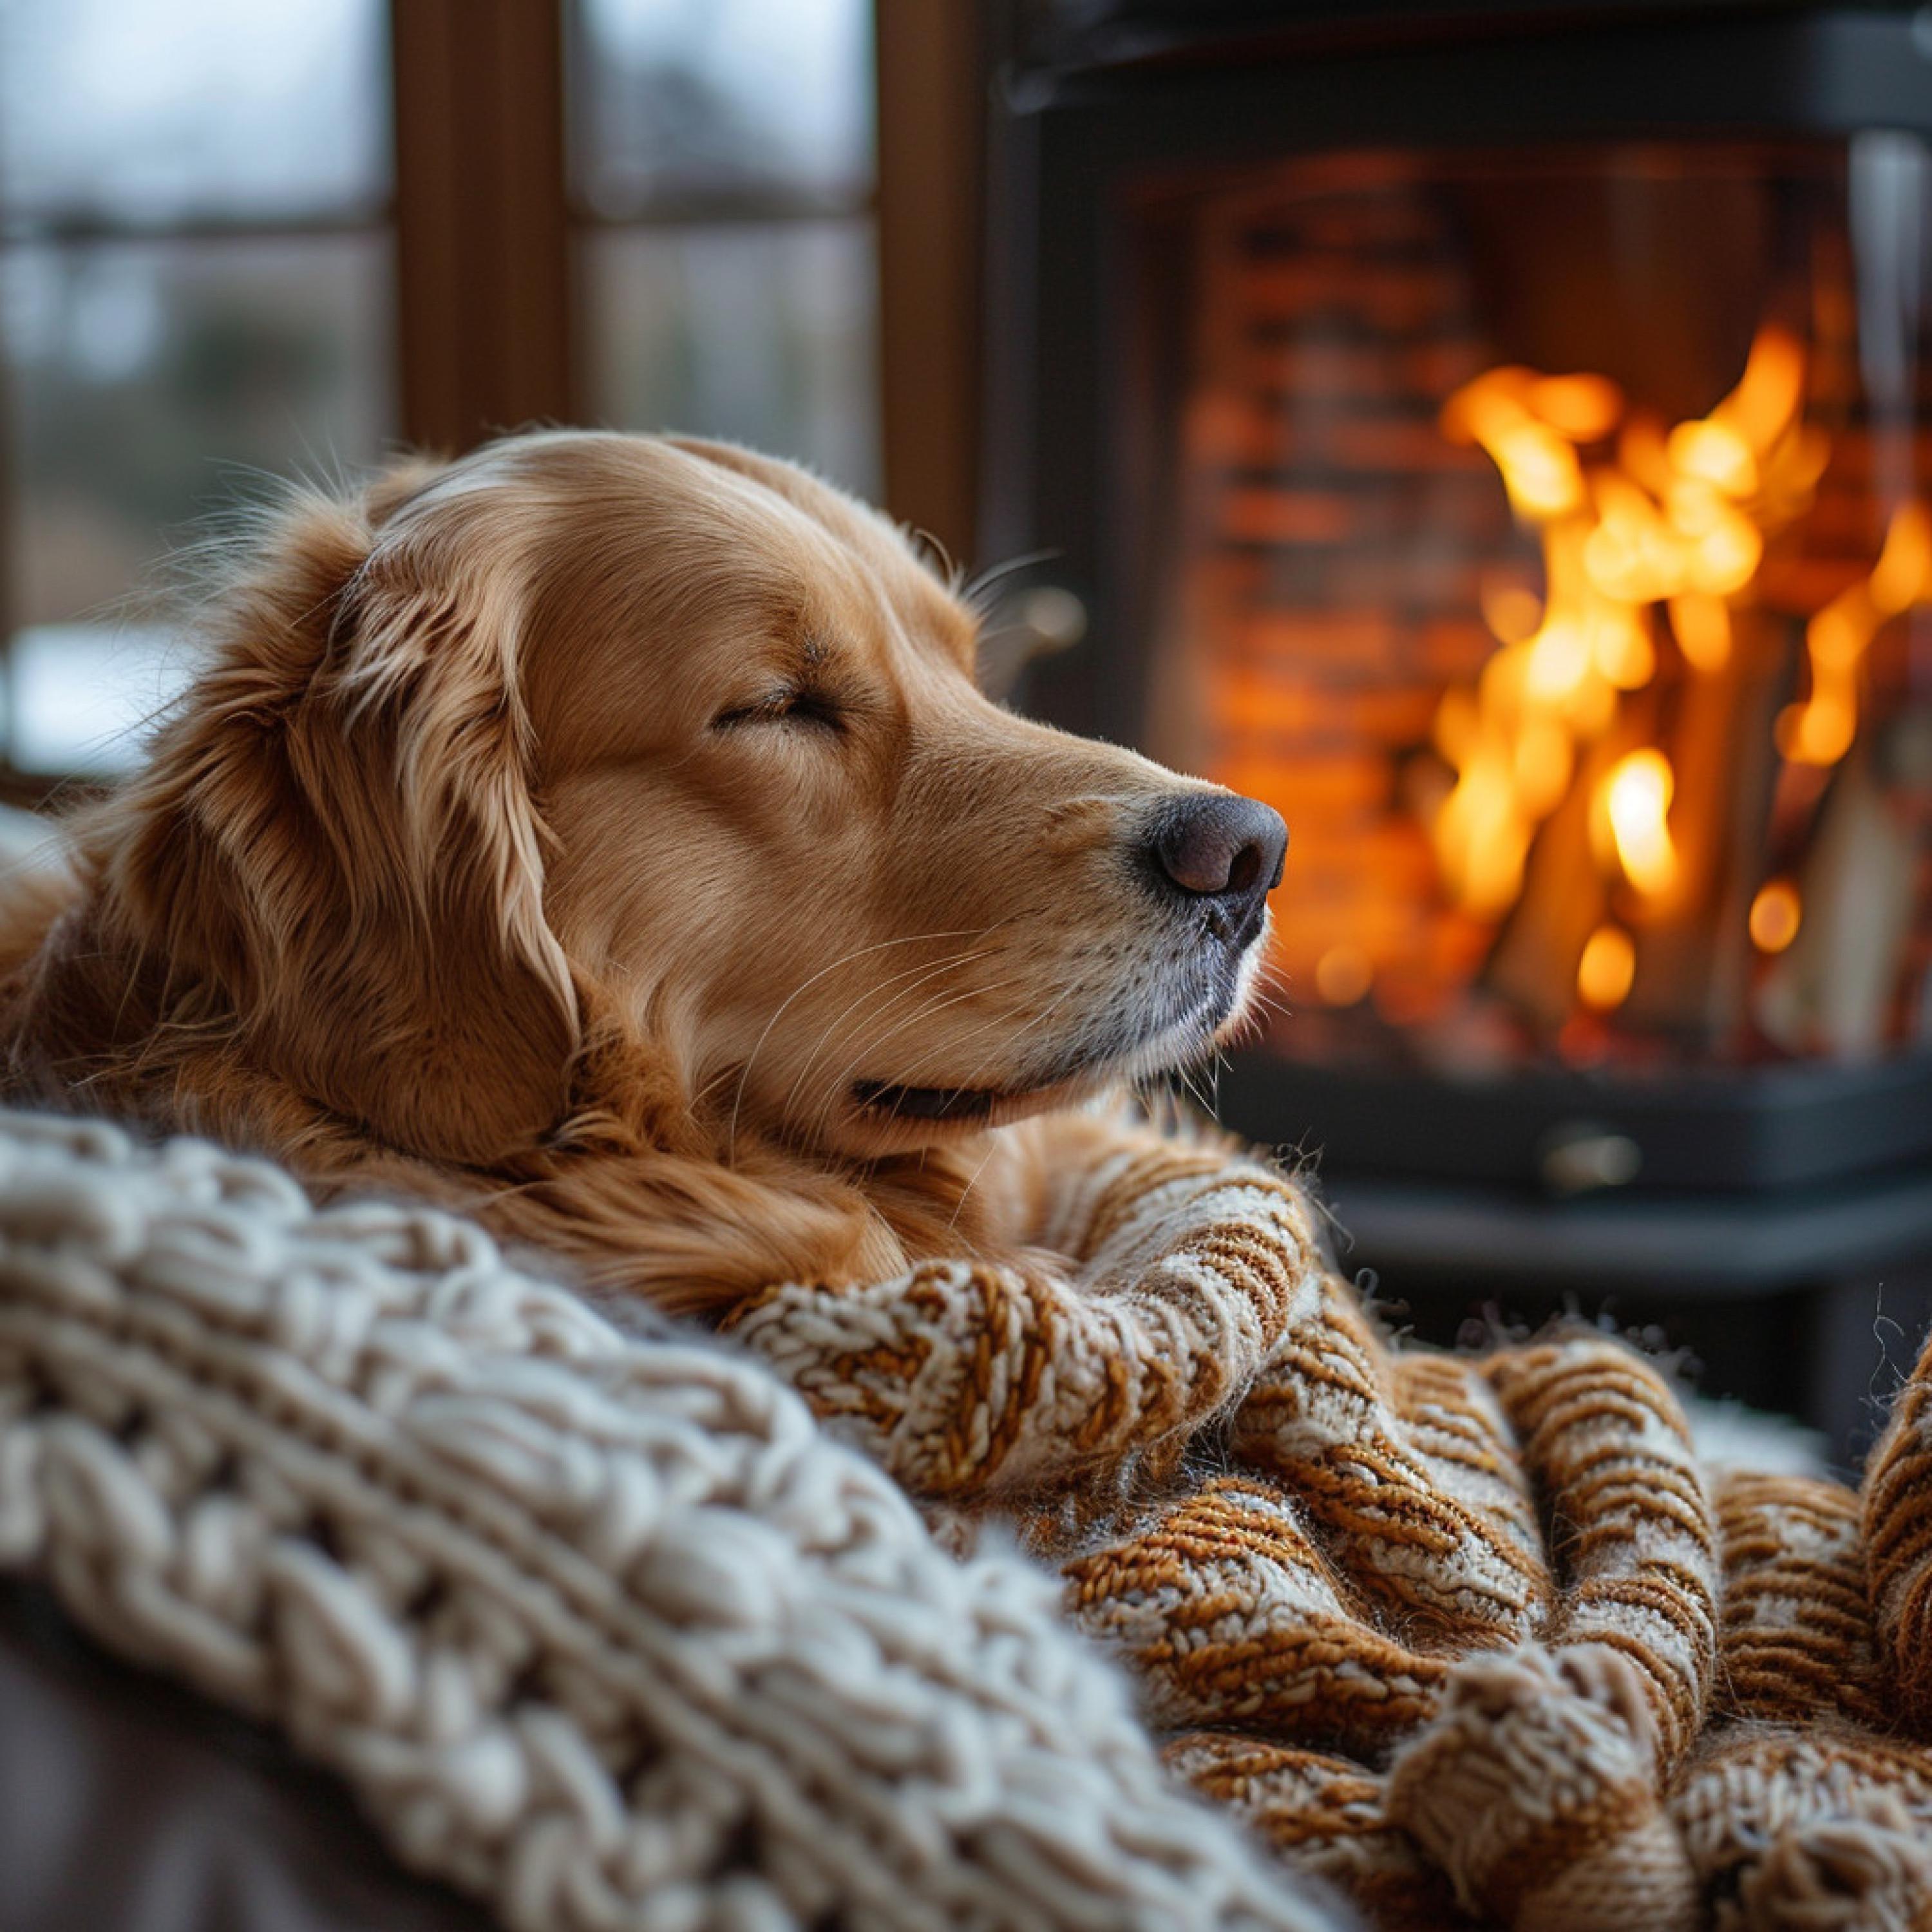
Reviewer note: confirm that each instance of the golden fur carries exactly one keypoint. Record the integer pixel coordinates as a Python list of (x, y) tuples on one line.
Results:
[(578, 832)]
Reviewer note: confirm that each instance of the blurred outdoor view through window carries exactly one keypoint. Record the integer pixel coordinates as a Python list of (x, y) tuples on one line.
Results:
[(196, 286), (721, 165)]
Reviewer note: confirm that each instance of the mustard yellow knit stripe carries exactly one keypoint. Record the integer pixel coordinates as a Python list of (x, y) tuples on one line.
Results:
[(1898, 1513), (1231, 1614), (1439, 1536), (1797, 1637), (1326, 1815), (1606, 1445)]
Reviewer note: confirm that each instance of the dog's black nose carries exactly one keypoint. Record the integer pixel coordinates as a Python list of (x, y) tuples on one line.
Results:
[(1215, 844)]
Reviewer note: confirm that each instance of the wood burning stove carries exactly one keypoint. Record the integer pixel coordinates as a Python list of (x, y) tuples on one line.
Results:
[(1502, 440)]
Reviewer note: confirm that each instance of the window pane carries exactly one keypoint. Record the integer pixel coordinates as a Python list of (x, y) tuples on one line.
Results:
[(684, 100), (129, 111), (78, 694), (764, 335), (148, 383)]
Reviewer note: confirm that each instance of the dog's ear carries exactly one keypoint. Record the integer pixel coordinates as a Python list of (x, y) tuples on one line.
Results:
[(338, 833)]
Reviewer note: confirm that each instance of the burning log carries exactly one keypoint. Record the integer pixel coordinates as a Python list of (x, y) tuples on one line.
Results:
[(1832, 987)]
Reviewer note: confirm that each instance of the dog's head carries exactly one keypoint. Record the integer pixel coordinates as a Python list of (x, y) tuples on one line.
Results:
[(589, 738)]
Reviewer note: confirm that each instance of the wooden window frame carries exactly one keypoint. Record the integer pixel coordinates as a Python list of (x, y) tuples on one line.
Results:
[(483, 283), (934, 58)]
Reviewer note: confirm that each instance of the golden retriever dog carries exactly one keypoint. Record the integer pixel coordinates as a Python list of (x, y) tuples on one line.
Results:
[(605, 833)]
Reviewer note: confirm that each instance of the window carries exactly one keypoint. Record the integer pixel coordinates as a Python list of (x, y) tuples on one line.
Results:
[(240, 242), (195, 287), (721, 170)]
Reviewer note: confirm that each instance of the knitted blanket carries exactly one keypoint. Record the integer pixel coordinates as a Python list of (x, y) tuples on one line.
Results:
[(1475, 1637), (599, 1629)]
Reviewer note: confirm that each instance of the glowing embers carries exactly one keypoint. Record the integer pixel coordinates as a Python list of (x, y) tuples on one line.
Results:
[(1702, 625), (1606, 969), (1775, 915)]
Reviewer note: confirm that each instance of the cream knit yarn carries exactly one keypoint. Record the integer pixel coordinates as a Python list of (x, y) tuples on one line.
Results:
[(598, 1629)]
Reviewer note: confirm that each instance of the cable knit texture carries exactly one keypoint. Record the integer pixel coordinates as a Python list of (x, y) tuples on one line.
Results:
[(1476, 1639), (600, 1629)]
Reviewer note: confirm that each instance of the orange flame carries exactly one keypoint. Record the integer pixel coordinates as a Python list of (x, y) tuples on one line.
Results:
[(1677, 521), (1608, 967), (1632, 803), (1652, 539), (1819, 730)]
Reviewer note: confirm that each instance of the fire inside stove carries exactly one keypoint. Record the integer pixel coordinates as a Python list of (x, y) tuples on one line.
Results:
[(1553, 553)]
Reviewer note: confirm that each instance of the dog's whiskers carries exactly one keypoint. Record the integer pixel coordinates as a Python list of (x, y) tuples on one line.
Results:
[(857, 952), (929, 972), (973, 591), (1039, 1020), (935, 1003)]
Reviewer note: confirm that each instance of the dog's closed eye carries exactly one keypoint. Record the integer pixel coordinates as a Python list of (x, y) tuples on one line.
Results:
[(790, 705)]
